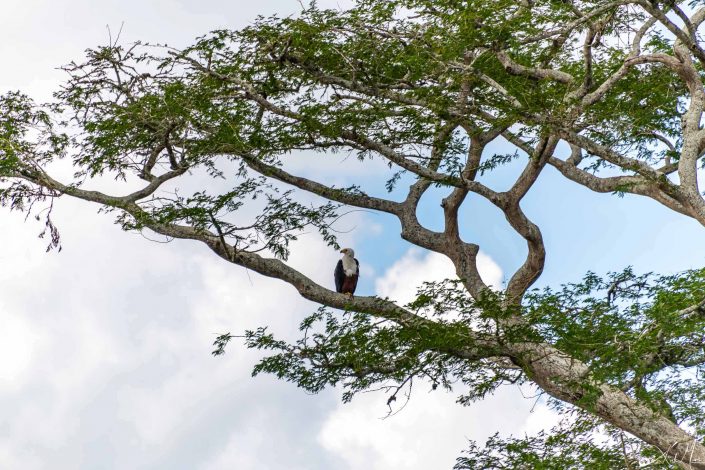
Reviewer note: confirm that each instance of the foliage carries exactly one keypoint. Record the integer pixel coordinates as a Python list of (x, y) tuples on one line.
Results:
[(642, 333), (573, 444)]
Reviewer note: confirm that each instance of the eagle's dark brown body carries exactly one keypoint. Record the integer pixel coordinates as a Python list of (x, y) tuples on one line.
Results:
[(349, 284)]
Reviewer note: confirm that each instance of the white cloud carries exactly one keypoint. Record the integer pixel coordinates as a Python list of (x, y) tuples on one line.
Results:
[(402, 279), (106, 351), (17, 345), (541, 418), (430, 432), (237, 453)]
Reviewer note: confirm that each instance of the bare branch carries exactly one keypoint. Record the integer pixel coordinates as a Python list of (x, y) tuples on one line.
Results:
[(339, 195), (542, 74)]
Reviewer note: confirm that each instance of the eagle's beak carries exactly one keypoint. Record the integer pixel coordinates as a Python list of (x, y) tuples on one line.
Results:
[(343, 251)]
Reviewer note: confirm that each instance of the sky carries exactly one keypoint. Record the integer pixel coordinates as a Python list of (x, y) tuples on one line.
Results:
[(105, 347)]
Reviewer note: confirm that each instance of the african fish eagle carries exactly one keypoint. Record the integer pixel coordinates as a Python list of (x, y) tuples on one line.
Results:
[(346, 272)]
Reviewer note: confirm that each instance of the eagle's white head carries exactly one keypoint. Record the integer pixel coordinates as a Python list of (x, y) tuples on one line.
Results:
[(349, 264)]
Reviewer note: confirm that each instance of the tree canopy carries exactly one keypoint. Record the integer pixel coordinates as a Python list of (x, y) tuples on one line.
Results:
[(426, 87)]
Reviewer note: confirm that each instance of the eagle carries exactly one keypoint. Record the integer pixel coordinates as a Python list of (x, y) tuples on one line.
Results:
[(346, 273)]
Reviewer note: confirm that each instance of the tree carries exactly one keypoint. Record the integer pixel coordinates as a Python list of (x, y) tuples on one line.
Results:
[(425, 86)]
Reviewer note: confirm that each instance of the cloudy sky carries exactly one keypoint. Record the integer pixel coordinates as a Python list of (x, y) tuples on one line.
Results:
[(105, 347)]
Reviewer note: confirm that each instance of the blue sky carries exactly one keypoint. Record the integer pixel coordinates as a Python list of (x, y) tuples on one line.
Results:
[(105, 347), (583, 230)]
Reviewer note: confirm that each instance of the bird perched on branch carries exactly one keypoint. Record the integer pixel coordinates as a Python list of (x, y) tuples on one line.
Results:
[(346, 273)]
